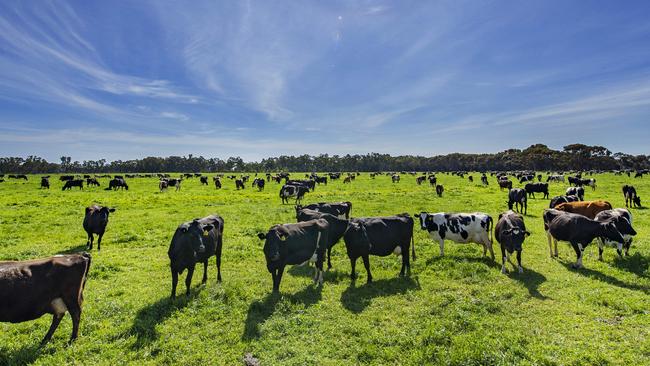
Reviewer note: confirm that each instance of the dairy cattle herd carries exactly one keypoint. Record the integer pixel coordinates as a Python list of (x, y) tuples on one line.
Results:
[(30, 289)]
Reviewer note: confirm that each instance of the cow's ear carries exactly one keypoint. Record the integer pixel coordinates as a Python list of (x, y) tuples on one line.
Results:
[(500, 216), (184, 229), (207, 228), (527, 233), (112, 209), (262, 236)]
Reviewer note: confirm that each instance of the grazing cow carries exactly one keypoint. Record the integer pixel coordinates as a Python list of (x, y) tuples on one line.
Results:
[(92, 182), (339, 209), (575, 181), (532, 188), (420, 179), (562, 199), (505, 183), (459, 227), (73, 183), (259, 183), (239, 184), (310, 184), (484, 180), (526, 178), (175, 182), (195, 242), (510, 231), (30, 289), (337, 227), (470, 178), (517, 197), (539, 177), (432, 181), (289, 190), (217, 182), (321, 180), (347, 180), (439, 190), (64, 178), (578, 230), (585, 208), (45, 183), (629, 192), (576, 191), (380, 236), (638, 175), (299, 243), (395, 178), (588, 182), (622, 219), (555, 178), (204, 181), (95, 221), (117, 183), (163, 185)]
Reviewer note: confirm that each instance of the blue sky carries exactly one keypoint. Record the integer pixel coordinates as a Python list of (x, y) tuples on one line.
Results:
[(129, 79)]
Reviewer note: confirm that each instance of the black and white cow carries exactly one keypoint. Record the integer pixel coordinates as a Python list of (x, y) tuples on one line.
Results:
[(532, 188), (337, 228), (259, 183), (439, 190), (484, 180), (395, 178), (589, 182), (557, 200), (505, 183), (517, 198), (631, 198), (299, 243), (576, 191), (578, 230), (289, 190), (217, 182), (204, 181), (555, 178), (339, 209), (380, 236), (458, 227), (622, 218), (45, 183), (510, 231), (239, 184)]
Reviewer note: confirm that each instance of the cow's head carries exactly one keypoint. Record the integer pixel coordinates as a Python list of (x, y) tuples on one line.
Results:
[(356, 233), (274, 240), (423, 217), (637, 201), (193, 236), (609, 231), (514, 238)]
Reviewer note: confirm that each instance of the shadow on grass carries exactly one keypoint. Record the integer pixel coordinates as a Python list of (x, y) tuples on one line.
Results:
[(636, 263), (487, 260), (77, 249), (144, 325), (331, 276), (357, 299), (529, 279), (23, 356), (605, 278)]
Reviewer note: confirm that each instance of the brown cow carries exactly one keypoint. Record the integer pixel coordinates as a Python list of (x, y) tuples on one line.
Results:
[(585, 208), (30, 289)]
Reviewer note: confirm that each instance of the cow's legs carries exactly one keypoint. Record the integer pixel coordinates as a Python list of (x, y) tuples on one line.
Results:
[(188, 279), (99, 241), (442, 247), (550, 245), (75, 314), (329, 259), (205, 272), (56, 319), (521, 269), (278, 278), (353, 264), (366, 263), (174, 283), (578, 249), (219, 262), (601, 244), (503, 261), (89, 242)]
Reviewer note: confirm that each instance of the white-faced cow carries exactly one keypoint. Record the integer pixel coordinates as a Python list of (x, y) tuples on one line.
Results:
[(217, 182), (459, 227), (31, 289), (259, 183), (576, 191), (395, 178), (622, 218), (289, 190), (195, 242), (95, 221), (510, 231), (291, 244)]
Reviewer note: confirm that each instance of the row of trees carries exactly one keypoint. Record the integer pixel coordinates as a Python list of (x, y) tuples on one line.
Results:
[(535, 157)]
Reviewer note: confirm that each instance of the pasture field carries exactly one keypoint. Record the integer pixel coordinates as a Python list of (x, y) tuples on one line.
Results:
[(457, 309)]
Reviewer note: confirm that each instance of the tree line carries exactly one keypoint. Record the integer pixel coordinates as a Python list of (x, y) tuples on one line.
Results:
[(537, 157)]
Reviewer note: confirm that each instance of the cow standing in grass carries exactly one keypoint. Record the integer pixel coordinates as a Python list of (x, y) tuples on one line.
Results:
[(631, 198), (622, 219), (95, 221), (45, 183), (510, 231), (459, 227)]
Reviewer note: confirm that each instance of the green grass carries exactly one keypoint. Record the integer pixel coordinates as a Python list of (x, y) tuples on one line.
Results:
[(457, 310)]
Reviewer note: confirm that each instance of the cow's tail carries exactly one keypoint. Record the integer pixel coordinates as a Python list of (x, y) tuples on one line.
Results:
[(490, 227), (413, 246), (88, 259)]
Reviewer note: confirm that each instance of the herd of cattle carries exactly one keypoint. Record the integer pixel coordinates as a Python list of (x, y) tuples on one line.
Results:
[(30, 289)]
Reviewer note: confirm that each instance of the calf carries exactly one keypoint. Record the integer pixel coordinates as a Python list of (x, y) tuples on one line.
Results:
[(204, 181), (289, 190), (578, 230), (532, 188), (195, 242), (95, 221), (585, 208), (439, 190), (510, 231), (339, 209), (517, 197), (347, 180), (239, 184), (622, 219), (337, 228), (295, 244), (458, 227), (45, 183), (380, 236), (629, 192), (576, 191), (555, 201), (73, 183), (30, 289)]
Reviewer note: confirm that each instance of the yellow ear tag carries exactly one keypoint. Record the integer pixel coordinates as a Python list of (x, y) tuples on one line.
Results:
[(283, 238), (206, 233)]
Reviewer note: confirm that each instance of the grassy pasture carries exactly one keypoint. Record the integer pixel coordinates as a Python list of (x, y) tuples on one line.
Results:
[(458, 309)]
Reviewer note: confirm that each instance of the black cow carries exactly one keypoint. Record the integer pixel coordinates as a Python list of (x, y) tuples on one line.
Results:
[(380, 236), (578, 230), (321, 180), (558, 200), (117, 183), (339, 209), (195, 242), (174, 182), (510, 231), (505, 183), (576, 191), (517, 197), (45, 183), (95, 221), (526, 178), (433, 181), (289, 190), (259, 183), (631, 199), (484, 180), (532, 188), (310, 184), (204, 181), (622, 219), (299, 243), (575, 181), (239, 184), (92, 182), (217, 182), (30, 289), (439, 190), (337, 227), (73, 183)]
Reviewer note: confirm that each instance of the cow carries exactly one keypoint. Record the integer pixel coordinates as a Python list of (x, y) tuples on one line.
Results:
[(459, 227), (45, 183), (55, 285), (532, 188), (526, 178), (204, 181), (631, 199), (310, 184), (217, 182), (562, 199), (95, 221), (298, 243), (555, 178), (259, 183), (92, 182), (505, 183), (195, 242), (337, 227), (339, 209), (539, 177), (395, 178), (347, 180), (420, 179), (289, 190), (638, 175), (239, 184), (433, 180), (484, 180), (175, 182), (585, 208), (117, 183), (321, 180), (73, 183), (439, 189), (379, 236), (578, 230), (471, 179), (517, 197), (163, 185), (588, 182), (575, 181), (622, 219), (510, 231), (576, 191)]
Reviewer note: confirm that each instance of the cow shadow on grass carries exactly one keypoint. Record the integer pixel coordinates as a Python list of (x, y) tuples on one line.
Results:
[(605, 278), (331, 276), (22, 356), (636, 263), (144, 325), (357, 299), (529, 279), (77, 249), (259, 311)]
